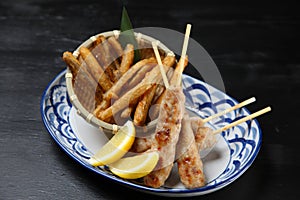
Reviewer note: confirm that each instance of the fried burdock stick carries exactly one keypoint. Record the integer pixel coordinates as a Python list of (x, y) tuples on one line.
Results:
[(115, 44), (115, 90), (138, 77), (129, 98), (95, 69), (83, 82), (121, 83), (72, 62), (141, 111), (133, 94), (127, 59), (125, 114), (106, 56), (78, 69)]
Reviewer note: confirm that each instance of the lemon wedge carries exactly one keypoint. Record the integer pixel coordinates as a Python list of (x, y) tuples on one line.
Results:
[(135, 166), (116, 147)]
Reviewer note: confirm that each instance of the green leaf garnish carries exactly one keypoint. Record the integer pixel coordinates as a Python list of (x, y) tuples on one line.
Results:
[(127, 34)]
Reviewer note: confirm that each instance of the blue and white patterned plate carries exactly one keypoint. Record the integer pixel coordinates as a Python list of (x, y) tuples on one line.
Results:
[(233, 154)]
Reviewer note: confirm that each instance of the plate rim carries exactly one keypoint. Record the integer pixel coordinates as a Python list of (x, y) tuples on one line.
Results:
[(156, 191)]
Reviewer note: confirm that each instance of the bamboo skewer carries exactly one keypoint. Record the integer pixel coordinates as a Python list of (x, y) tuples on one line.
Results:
[(184, 49), (244, 103), (252, 116), (162, 70)]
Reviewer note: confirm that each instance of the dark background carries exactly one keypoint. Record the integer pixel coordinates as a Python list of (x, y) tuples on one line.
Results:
[(255, 44)]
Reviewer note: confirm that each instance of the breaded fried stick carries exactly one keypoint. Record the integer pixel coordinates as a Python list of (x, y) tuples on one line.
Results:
[(95, 69), (117, 87), (133, 94), (83, 81), (127, 59)]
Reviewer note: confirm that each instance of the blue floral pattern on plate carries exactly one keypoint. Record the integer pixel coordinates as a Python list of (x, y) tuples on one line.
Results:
[(243, 141)]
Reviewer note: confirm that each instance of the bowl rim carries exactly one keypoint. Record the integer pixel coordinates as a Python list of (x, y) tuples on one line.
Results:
[(81, 110)]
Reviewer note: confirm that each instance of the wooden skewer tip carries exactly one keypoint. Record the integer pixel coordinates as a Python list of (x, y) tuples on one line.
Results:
[(237, 106), (252, 99), (186, 39), (184, 50), (162, 71), (249, 117)]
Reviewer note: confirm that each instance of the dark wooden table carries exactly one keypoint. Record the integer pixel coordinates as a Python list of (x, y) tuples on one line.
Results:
[(255, 44)]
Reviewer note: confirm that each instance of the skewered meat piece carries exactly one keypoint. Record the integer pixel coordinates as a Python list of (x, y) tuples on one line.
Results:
[(166, 135), (190, 167), (204, 136)]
